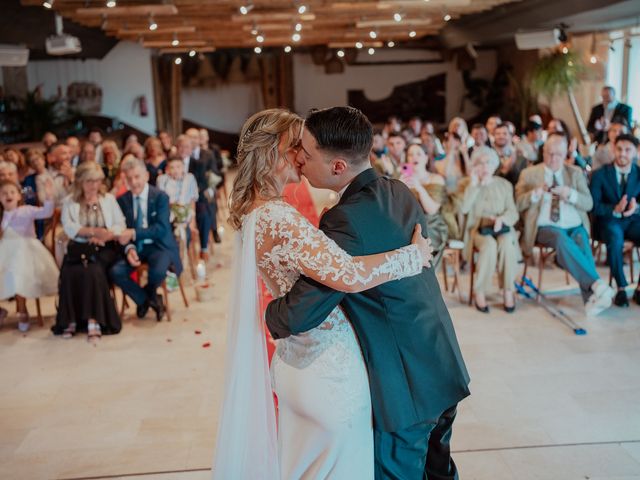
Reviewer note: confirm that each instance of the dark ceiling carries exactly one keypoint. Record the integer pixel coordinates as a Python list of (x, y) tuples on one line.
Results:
[(30, 26)]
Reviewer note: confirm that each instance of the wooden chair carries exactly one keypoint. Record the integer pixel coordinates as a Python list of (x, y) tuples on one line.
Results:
[(544, 255), (452, 257), (50, 232)]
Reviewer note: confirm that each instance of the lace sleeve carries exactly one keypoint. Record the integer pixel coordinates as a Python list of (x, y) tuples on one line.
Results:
[(285, 237)]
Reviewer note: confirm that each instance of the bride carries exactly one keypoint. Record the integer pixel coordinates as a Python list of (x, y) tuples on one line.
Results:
[(319, 377)]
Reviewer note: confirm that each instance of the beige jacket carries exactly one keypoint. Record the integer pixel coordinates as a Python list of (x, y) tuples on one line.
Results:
[(533, 177), (502, 204)]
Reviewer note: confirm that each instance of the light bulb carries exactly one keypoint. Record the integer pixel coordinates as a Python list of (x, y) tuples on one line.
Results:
[(298, 27), (358, 44), (302, 9), (192, 53), (391, 44), (373, 34), (340, 53), (372, 51), (412, 33), (111, 3), (565, 50), (593, 59), (447, 17), (257, 50), (259, 39), (287, 49), (178, 61), (296, 37), (397, 17)]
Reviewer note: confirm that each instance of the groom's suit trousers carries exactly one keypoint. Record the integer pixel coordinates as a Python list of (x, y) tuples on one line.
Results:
[(420, 452)]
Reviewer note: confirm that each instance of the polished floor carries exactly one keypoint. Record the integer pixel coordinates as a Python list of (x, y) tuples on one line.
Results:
[(546, 404)]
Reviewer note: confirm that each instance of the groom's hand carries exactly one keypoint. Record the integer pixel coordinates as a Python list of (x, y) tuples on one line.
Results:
[(424, 245)]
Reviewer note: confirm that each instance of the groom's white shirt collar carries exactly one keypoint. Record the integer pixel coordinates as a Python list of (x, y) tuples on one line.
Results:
[(341, 192)]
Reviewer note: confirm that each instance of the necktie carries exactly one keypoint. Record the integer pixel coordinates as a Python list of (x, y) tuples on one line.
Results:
[(139, 222), (623, 183), (555, 203)]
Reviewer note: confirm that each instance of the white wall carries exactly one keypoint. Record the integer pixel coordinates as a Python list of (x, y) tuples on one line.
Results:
[(313, 88), (123, 74), (223, 108)]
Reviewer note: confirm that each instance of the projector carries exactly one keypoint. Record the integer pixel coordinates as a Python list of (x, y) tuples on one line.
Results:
[(63, 44), (13, 56), (539, 39)]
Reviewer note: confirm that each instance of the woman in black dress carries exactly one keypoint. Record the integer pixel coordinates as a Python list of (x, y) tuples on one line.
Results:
[(92, 221)]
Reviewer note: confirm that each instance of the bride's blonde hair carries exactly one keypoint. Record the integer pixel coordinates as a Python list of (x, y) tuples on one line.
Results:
[(258, 159)]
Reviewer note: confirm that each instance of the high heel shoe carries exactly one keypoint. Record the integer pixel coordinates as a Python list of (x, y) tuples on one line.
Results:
[(510, 309), (484, 309)]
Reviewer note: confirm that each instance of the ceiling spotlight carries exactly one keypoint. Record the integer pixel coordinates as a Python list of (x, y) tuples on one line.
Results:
[(175, 42), (302, 9), (412, 33), (358, 44), (152, 24), (257, 50), (244, 9), (111, 3), (259, 39), (340, 53), (192, 53), (565, 49), (287, 49), (254, 30), (177, 61), (372, 51), (298, 27), (296, 37), (447, 17), (391, 44), (48, 4), (593, 59), (373, 34), (397, 17)]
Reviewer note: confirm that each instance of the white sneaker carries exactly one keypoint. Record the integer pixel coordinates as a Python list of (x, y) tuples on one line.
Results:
[(602, 288), (599, 301)]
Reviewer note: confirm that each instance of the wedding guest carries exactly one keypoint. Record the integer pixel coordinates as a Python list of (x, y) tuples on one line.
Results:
[(492, 122), (16, 157), (529, 146), (182, 189), (554, 199), (148, 239), (167, 143), (380, 159), (135, 149), (392, 125), (487, 200), (88, 152), (92, 221), (9, 172), (110, 162), (606, 152), (49, 139), (615, 189), (396, 145), (557, 125), (36, 161), (454, 165), (603, 114), (27, 269), (95, 138), (59, 160), (480, 137), (155, 158), (74, 146), (511, 163), (428, 187)]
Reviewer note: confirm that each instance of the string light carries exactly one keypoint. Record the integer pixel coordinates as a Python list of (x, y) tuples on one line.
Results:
[(177, 61), (287, 49), (111, 3), (340, 53), (447, 17), (259, 39), (372, 51), (192, 53), (391, 44), (373, 34), (258, 50), (298, 27), (565, 49), (152, 24), (302, 9), (175, 42), (296, 37), (358, 45), (397, 17), (412, 33)]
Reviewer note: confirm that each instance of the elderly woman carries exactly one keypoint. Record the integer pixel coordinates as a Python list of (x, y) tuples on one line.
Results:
[(93, 222), (428, 186), (88, 152), (110, 162), (487, 201)]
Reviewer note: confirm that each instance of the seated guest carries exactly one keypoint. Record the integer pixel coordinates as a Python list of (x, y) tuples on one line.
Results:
[(487, 200), (529, 146), (88, 152), (147, 239), (95, 138), (557, 125), (8, 172), (27, 269), (49, 139), (392, 125), (380, 159), (455, 164), (603, 114), (133, 148), (511, 163), (26, 177), (37, 163), (74, 146), (396, 145), (554, 199), (155, 158), (492, 122), (606, 152), (420, 176), (59, 160), (110, 162), (183, 193), (167, 143), (428, 136), (616, 197), (92, 221), (480, 137)]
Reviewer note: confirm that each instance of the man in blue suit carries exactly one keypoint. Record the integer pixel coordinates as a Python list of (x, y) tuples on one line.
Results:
[(615, 189), (148, 239)]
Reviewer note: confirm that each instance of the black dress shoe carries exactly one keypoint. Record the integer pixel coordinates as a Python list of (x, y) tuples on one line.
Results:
[(510, 309), (621, 299), (484, 309), (158, 306), (216, 237), (636, 296), (142, 310)]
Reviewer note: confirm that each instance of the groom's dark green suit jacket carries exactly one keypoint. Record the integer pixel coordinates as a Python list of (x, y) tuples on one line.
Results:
[(416, 370)]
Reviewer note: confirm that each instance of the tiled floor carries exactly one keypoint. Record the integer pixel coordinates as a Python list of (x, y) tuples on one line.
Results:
[(546, 404)]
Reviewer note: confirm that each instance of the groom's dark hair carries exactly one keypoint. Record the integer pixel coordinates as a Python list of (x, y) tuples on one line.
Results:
[(342, 131)]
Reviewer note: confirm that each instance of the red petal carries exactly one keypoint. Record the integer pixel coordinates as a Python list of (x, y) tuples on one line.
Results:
[(206, 345), (198, 332)]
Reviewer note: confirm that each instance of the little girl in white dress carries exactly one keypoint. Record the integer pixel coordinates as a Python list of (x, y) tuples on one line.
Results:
[(27, 269)]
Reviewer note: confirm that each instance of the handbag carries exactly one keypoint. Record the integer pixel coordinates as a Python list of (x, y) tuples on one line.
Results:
[(489, 231)]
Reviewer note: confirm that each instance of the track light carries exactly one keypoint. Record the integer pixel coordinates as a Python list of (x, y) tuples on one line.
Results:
[(175, 42), (340, 53), (373, 34), (258, 50), (259, 39), (391, 44), (48, 3), (296, 37), (358, 45), (447, 17), (287, 49), (397, 17), (244, 9), (152, 24), (298, 27), (412, 33), (177, 61), (302, 9), (111, 3), (192, 53), (372, 51)]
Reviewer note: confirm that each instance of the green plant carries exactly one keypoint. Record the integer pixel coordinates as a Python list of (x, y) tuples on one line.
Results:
[(525, 99), (39, 115)]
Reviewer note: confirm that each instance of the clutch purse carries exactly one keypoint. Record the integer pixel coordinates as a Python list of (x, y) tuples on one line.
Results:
[(489, 231)]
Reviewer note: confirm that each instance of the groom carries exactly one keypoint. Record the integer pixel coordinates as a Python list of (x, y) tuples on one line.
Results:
[(416, 372)]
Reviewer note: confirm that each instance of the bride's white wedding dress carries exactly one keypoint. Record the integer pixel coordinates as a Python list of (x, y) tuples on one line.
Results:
[(324, 406)]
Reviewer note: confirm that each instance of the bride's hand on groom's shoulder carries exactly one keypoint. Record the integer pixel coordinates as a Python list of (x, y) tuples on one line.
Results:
[(423, 244)]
